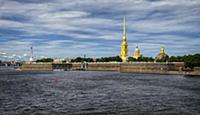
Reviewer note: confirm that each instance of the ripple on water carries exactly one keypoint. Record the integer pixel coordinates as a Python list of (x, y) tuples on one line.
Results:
[(86, 92)]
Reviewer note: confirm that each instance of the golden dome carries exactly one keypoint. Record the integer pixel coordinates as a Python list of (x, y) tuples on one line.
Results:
[(162, 56), (136, 53), (162, 50)]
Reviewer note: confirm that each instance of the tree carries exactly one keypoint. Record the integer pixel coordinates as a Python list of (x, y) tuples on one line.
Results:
[(131, 59), (141, 59), (190, 61), (79, 59), (45, 60), (109, 59)]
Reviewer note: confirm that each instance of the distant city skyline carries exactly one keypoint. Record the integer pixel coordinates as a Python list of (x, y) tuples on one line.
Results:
[(72, 28)]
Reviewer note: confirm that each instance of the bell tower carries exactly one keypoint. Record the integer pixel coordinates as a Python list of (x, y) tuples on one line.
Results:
[(124, 46)]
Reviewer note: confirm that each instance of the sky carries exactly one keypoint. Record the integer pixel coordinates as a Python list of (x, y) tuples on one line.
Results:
[(72, 28)]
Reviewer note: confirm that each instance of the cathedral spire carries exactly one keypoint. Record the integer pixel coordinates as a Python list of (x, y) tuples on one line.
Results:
[(124, 46), (124, 33)]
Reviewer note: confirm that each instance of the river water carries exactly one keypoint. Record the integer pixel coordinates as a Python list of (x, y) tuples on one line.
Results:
[(97, 93)]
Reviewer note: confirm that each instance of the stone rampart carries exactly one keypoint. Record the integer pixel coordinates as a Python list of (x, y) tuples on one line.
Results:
[(134, 67), (76, 66), (62, 66), (37, 67), (141, 67), (103, 67)]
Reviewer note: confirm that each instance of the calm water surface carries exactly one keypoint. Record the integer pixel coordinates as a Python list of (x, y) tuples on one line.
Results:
[(91, 93)]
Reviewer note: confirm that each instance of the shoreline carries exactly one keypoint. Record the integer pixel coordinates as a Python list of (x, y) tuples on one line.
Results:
[(184, 73), (141, 68)]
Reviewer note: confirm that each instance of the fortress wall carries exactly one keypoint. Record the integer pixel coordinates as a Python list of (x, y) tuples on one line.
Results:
[(134, 67), (97, 66), (147, 67), (179, 66), (103, 67), (37, 67), (129, 67), (61, 66), (196, 71), (46, 66), (76, 66)]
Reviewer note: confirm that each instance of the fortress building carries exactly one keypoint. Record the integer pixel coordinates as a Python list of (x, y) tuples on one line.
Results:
[(124, 46), (162, 56), (136, 53)]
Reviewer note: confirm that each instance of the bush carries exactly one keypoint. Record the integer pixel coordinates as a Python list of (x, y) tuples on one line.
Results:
[(190, 61), (141, 59), (45, 60), (79, 59), (109, 59)]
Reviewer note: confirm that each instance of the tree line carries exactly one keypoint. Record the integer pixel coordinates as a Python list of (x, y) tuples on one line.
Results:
[(189, 60), (45, 60)]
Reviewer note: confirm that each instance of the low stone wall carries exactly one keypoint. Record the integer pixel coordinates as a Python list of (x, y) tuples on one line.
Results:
[(76, 66), (47, 66), (197, 69), (162, 68), (62, 66), (103, 67), (195, 72), (96, 66), (134, 67), (37, 67)]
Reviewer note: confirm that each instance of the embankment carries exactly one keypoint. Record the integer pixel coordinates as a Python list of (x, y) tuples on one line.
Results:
[(37, 67), (140, 67), (96, 66), (136, 67)]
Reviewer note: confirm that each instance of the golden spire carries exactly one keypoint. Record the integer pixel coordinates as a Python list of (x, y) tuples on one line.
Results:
[(124, 46), (124, 33)]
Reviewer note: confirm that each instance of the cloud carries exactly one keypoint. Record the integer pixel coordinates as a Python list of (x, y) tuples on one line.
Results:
[(2, 53), (68, 28)]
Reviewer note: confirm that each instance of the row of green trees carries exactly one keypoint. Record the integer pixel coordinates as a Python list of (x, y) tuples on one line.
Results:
[(80, 59), (102, 59), (189, 60), (112, 59), (45, 60), (140, 59), (109, 59)]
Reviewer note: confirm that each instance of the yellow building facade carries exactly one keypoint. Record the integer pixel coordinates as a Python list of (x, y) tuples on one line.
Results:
[(124, 46)]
